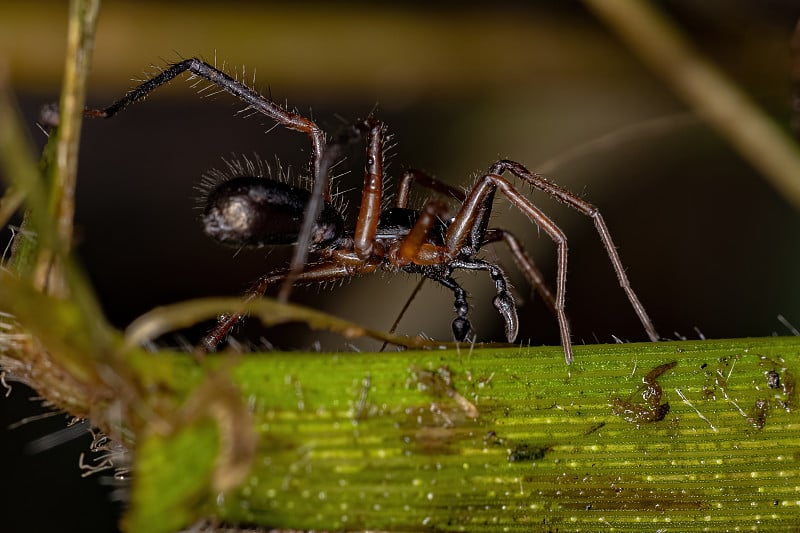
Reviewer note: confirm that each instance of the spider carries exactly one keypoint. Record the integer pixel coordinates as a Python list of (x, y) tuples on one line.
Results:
[(251, 210)]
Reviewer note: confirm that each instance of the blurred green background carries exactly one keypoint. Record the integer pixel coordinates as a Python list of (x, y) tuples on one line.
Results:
[(709, 246)]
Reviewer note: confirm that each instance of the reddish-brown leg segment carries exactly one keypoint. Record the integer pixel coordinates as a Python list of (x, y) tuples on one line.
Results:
[(408, 249), (369, 213)]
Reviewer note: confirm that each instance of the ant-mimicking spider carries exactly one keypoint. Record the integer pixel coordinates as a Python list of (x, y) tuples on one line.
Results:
[(251, 210)]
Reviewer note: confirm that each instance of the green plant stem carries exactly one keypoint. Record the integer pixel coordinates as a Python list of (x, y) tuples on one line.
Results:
[(512, 439), (80, 45)]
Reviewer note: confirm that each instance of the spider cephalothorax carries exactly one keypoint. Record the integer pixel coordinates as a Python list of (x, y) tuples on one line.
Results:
[(254, 210)]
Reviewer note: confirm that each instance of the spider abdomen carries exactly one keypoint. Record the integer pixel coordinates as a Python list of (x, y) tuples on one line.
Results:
[(257, 211)]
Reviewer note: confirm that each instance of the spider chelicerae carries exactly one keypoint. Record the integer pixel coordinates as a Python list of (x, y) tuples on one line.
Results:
[(255, 210)]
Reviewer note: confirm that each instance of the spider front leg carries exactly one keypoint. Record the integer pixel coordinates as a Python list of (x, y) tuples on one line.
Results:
[(479, 237), (473, 211), (582, 206)]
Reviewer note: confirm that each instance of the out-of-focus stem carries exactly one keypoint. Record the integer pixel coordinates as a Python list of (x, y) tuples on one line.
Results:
[(708, 91)]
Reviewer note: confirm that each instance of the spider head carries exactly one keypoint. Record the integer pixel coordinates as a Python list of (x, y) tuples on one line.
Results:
[(257, 211)]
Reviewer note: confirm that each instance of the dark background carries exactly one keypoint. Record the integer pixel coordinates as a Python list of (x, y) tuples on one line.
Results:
[(709, 246)]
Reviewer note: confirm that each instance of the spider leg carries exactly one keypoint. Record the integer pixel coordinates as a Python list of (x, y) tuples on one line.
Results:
[(333, 152), (429, 182), (326, 271), (238, 89), (480, 220), (582, 206), (415, 248), (411, 252), (473, 211), (524, 262), (369, 212)]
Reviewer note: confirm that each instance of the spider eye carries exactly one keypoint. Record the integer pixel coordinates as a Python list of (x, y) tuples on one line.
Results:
[(256, 211)]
